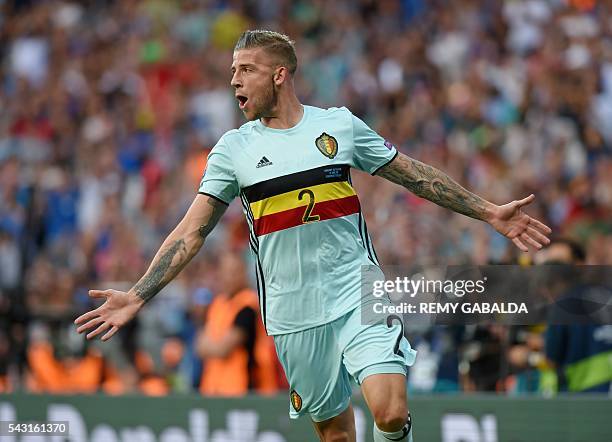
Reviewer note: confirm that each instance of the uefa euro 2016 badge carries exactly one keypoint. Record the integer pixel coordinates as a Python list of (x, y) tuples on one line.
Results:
[(389, 145), (296, 401), (327, 145)]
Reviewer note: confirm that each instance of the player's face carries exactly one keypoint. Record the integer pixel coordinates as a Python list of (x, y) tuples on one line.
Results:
[(253, 79)]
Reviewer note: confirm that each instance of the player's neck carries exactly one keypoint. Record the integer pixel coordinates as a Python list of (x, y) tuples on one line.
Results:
[(289, 114)]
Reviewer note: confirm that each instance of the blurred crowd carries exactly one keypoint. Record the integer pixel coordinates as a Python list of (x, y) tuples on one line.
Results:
[(109, 108)]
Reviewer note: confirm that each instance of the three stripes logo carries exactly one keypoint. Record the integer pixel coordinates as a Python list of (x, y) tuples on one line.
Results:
[(264, 162)]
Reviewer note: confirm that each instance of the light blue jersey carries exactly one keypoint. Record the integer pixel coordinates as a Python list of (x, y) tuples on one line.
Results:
[(306, 227)]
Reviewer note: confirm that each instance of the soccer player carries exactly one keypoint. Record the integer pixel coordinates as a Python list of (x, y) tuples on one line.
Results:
[(290, 166)]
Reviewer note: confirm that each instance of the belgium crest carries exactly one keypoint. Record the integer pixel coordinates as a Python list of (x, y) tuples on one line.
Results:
[(327, 145), (296, 401)]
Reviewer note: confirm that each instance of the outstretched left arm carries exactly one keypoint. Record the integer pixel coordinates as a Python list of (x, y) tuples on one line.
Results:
[(430, 183)]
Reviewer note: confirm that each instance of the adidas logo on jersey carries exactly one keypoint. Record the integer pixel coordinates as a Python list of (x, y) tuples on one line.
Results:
[(264, 162)]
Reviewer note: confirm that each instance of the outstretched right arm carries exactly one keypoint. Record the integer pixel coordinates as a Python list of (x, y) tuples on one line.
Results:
[(176, 251), (180, 246)]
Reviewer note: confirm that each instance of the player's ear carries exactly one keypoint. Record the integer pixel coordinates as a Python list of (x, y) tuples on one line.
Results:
[(280, 75)]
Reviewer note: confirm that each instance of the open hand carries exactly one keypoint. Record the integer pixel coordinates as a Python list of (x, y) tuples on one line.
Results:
[(118, 309), (520, 228)]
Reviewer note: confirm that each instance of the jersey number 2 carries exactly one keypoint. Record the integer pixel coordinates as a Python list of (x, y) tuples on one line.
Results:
[(308, 217)]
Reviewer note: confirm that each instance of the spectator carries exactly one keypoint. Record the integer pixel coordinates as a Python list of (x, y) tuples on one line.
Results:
[(580, 353), (238, 355)]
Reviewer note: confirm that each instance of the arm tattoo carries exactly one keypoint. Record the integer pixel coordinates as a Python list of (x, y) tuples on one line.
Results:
[(218, 208), (171, 259), (155, 279), (432, 184)]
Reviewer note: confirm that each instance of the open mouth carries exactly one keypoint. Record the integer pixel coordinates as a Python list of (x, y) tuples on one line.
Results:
[(242, 101)]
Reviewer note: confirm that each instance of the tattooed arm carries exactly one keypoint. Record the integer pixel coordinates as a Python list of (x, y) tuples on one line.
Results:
[(430, 183), (180, 246), (176, 251)]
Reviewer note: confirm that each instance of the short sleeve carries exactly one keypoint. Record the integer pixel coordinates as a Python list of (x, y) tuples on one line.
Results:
[(219, 179), (371, 151)]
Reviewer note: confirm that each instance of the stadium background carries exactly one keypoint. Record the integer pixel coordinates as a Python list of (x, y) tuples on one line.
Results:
[(107, 112)]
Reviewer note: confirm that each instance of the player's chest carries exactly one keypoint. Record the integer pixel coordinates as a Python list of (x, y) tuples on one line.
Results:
[(278, 155)]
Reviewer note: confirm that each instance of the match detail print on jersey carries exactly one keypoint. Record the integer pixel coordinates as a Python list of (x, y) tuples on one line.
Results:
[(303, 197)]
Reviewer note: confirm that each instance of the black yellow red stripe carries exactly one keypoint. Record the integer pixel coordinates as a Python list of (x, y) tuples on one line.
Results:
[(294, 217), (298, 180), (291, 200), (296, 198)]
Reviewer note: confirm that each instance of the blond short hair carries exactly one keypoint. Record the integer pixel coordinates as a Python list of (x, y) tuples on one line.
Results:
[(276, 44)]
